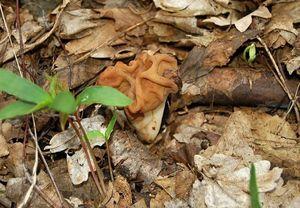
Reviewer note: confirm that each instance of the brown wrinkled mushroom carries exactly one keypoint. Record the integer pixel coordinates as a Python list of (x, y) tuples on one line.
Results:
[(147, 80)]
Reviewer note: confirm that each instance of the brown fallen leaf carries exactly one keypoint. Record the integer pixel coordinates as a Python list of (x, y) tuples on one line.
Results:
[(202, 60), (3, 146), (243, 23), (280, 30), (14, 162), (270, 136), (100, 36), (192, 8), (87, 191), (160, 198), (124, 18), (73, 75), (183, 183), (29, 27), (123, 188), (76, 23), (16, 187)]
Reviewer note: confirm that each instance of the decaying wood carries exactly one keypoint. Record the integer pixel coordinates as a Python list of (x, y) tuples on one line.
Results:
[(235, 86), (132, 158)]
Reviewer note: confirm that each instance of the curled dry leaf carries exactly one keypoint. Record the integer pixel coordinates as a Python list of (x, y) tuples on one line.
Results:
[(99, 37), (201, 60), (226, 164), (30, 28), (122, 23), (187, 24), (191, 8), (271, 136), (78, 167), (75, 24), (231, 183), (147, 80), (293, 64), (243, 23), (281, 30)]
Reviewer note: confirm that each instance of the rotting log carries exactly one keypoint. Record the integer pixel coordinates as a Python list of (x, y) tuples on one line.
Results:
[(236, 87)]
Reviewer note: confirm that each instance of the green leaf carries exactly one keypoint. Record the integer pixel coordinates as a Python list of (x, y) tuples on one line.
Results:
[(22, 88), (249, 53), (253, 189), (95, 134), (63, 118), (252, 53), (64, 102), (110, 126), (18, 108), (52, 86), (103, 95)]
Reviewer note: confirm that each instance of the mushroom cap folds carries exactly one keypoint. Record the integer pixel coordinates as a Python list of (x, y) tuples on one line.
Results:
[(147, 80)]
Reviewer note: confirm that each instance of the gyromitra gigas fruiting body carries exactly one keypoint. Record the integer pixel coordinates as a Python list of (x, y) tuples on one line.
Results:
[(147, 80)]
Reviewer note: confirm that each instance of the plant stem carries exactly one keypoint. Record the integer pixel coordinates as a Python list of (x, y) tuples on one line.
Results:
[(109, 161), (84, 147), (98, 170)]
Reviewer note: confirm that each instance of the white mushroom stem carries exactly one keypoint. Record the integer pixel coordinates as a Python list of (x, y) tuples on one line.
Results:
[(147, 127)]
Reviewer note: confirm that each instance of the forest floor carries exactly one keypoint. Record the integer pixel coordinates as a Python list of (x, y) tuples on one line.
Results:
[(214, 85)]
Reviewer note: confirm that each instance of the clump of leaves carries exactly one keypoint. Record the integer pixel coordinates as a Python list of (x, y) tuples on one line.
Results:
[(255, 203), (249, 53), (32, 98)]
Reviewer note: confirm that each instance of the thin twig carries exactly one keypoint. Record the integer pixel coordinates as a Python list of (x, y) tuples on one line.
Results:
[(289, 109), (35, 166), (18, 24), (41, 193), (10, 40), (51, 177), (109, 161), (282, 80)]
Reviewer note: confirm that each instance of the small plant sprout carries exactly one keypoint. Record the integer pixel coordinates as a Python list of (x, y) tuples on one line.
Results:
[(249, 53), (106, 137), (255, 203), (32, 98)]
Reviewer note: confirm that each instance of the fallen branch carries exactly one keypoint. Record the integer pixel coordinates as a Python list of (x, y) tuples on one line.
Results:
[(235, 86)]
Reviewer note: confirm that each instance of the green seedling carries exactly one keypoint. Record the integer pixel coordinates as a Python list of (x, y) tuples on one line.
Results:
[(255, 203), (249, 53), (106, 135), (32, 98)]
